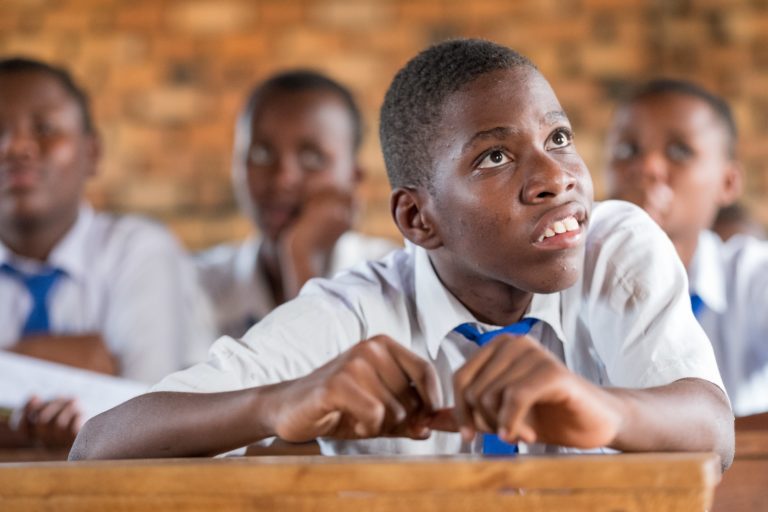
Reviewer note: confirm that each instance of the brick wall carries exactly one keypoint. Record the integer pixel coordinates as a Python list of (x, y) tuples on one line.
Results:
[(168, 76)]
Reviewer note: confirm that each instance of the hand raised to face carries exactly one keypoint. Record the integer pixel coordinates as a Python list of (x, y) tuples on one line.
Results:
[(377, 388)]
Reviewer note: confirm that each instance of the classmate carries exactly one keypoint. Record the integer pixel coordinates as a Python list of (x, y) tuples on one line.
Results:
[(295, 171), (497, 207), (112, 294), (672, 151)]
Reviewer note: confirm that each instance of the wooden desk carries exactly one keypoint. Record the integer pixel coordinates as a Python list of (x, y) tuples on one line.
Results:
[(608, 483), (745, 485)]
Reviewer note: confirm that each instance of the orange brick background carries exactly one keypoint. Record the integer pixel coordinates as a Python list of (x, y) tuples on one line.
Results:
[(167, 77)]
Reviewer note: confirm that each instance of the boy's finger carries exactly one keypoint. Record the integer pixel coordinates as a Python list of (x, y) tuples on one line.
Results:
[(443, 420), (420, 373)]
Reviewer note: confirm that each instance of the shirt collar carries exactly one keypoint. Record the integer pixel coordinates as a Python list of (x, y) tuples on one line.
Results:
[(705, 275), (440, 312), (69, 254)]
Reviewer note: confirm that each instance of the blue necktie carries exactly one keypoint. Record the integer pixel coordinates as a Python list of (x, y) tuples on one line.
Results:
[(492, 444), (696, 304), (38, 285)]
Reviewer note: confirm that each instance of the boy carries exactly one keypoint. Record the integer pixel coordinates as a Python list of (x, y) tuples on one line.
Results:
[(496, 205), (295, 171), (105, 293), (672, 151)]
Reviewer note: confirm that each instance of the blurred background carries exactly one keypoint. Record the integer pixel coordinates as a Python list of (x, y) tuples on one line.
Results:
[(167, 77)]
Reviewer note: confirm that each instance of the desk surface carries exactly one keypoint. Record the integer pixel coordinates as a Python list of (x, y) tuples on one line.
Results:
[(630, 482), (745, 485)]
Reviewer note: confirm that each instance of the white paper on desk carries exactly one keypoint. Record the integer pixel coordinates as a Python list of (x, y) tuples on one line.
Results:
[(22, 376)]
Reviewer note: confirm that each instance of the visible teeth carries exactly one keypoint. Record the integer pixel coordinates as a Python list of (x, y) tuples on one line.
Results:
[(560, 226), (571, 224)]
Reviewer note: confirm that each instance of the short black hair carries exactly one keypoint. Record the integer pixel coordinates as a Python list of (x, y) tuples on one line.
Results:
[(15, 65), (300, 80), (719, 106), (414, 102)]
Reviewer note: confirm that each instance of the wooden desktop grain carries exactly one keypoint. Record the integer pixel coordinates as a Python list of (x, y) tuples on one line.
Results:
[(744, 487), (628, 482)]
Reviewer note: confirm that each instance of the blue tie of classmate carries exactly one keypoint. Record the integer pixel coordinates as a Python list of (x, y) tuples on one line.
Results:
[(38, 285), (696, 304), (492, 444)]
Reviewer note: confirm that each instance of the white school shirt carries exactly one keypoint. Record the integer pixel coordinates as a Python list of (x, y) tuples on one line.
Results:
[(627, 322), (241, 294), (127, 279), (732, 280)]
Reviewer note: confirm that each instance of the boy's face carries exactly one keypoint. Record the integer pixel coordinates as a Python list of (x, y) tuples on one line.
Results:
[(510, 196), (45, 154), (301, 145), (668, 154)]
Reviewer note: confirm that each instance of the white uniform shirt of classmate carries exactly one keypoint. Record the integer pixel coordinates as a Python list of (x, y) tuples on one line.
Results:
[(732, 281), (127, 279), (240, 292), (626, 322)]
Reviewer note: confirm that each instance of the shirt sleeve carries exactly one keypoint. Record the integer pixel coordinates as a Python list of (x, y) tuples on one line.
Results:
[(290, 342), (638, 307), (158, 319)]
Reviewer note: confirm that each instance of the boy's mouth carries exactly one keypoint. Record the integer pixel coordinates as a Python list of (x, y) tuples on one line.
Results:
[(558, 227)]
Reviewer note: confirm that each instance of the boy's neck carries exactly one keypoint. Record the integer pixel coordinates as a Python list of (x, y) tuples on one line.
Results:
[(686, 247), (491, 302), (34, 241)]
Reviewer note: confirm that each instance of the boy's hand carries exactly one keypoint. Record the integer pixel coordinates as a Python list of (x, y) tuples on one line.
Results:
[(307, 244), (53, 423), (326, 214), (376, 388), (517, 389)]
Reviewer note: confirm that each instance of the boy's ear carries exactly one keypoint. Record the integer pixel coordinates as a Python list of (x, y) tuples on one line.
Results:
[(733, 182), (410, 210)]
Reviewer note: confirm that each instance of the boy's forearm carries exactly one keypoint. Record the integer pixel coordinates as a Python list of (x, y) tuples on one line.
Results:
[(686, 415), (175, 425)]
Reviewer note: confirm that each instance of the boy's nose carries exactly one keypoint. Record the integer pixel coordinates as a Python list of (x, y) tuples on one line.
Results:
[(547, 178), (287, 174), (651, 166), (18, 144)]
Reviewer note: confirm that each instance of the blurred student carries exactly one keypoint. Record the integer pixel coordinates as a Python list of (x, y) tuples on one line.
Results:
[(673, 151), (112, 294), (295, 170)]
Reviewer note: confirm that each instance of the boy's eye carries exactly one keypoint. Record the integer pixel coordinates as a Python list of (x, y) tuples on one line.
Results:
[(678, 152), (259, 156), (561, 138), (311, 159), (44, 128), (493, 159), (624, 151)]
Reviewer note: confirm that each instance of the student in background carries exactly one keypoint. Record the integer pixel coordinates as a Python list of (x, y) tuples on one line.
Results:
[(673, 151), (517, 309), (295, 172), (112, 294)]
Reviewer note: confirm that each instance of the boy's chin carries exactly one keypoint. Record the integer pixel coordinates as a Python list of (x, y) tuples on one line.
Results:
[(557, 281)]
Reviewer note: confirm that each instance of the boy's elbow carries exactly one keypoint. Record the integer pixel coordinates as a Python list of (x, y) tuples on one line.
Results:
[(724, 437), (85, 447)]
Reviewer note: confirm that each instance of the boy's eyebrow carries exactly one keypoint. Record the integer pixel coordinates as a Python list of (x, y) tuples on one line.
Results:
[(499, 133), (555, 116)]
